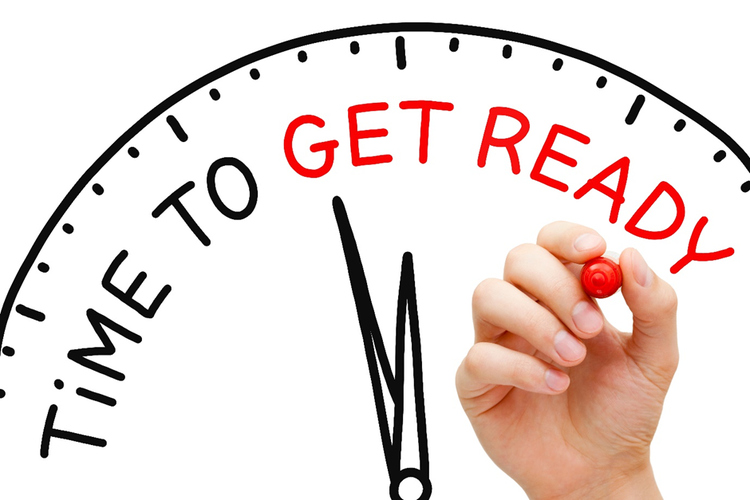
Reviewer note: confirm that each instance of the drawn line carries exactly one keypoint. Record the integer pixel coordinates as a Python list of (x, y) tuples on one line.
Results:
[(177, 128), (296, 43), (30, 313), (635, 109), (400, 52), (95, 396)]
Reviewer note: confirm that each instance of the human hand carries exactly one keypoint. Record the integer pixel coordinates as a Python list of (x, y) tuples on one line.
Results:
[(565, 418)]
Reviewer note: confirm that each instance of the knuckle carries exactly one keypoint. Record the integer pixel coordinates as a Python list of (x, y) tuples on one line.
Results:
[(483, 294), (475, 360), (522, 373), (669, 300), (517, 371), (534, 322), (661, 306), (546, 229), (673, 362), (518, 254), (563, 286)]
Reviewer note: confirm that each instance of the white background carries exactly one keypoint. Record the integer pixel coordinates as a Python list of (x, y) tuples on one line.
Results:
[(75, 75)]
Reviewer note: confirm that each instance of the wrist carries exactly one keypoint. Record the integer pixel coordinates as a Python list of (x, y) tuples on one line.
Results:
[(638, 484)]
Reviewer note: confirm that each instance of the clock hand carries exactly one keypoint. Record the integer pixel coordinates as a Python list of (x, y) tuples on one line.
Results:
[(377, 359)]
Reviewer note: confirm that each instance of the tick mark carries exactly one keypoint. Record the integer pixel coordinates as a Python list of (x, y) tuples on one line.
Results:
[(680, 125), (557, 65), (30, 313), (8, 351), (133, 152), (177, 128), (302, 56), (354, 48), (254, 74), (635, 109), (59, 384), (98, 189), (43, 267), (453, 46), (601, 82), (214, 94), (95, 396), (507, 51), (400, 52), (720, 155), (67, 228)]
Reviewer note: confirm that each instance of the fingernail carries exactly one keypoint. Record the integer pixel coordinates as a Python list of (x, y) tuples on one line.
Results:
[(556, 380), (587, 242), (587, 318), (643, 274), (568, 347)]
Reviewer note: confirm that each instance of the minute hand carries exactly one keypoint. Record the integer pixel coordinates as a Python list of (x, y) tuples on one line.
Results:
[(377, 359)]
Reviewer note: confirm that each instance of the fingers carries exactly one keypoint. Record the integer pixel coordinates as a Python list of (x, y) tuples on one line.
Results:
[(498, 306), (654, 305), (571, 242), (488, 365), (538, 272), (540, 310)]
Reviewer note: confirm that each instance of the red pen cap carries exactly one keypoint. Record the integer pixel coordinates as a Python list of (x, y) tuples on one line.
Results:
[(601, 277)]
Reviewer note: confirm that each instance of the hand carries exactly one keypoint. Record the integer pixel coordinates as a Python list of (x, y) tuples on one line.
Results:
[(567, 418)]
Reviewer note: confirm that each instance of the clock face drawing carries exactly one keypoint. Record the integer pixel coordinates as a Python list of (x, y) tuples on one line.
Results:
[(190, 320)]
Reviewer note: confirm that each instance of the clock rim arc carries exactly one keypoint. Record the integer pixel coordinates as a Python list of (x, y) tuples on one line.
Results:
[(448, 28)]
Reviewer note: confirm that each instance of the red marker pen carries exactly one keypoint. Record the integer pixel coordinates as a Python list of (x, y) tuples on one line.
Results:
[(601, 277)]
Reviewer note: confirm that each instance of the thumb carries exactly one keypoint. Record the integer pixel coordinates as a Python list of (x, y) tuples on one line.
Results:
[(653, 302)]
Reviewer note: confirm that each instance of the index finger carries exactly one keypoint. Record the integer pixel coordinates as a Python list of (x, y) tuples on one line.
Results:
[(571, 242)]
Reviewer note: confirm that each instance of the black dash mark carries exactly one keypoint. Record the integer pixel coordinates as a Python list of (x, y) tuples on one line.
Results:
[(2, 394), (558, 64), (177, 128), (453, 46), (215, 95), (354, 48), (601, 82), (254, 74), (59, 384), (97, 189), (133, 152), (635, 109), (43, 267), (8, 351), (679, 126), (720, 155), (377, 359), (302, 56), (745, 187), (68, 228), (30, 313), (507, 51), (95, 396), (400, 52), (49, 432)]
